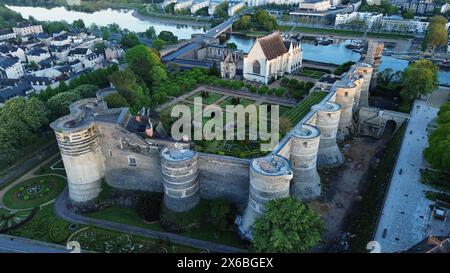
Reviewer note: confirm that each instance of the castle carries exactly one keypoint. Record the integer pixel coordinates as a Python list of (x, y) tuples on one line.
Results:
[(97, 143)]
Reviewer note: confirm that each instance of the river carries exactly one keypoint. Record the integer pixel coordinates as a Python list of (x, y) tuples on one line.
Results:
[(335, 53)]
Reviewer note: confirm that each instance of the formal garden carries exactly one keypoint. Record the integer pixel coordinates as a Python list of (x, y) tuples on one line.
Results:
[(311, 73), (34, 192)]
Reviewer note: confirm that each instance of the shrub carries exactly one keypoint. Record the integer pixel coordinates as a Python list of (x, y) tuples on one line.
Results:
[(59, 231), (183, 221), (115, 100), (280, 92), (148, 206), (219, 214)]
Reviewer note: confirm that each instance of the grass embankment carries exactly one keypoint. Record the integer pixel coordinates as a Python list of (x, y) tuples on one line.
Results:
[(345, 32), (363, 218), (301, 109), (205, 232)]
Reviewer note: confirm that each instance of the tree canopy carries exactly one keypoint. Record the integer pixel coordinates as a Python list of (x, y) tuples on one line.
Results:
[(288, 226), (436, 34), (129, 40), (419, 78)]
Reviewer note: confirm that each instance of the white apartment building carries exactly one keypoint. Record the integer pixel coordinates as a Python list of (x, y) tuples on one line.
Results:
[(270, 58), (212, 6), (26, 28), (183, 5), (232, 9), (315, 5), (255, 3), (199, 5), (37, 55), (11, 68), (14, 51), (6, 34), (79, 53), (368, 17), (396, 23)]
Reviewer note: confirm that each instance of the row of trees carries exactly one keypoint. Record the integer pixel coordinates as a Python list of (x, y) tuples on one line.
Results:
[(261, 20), (438, 151)]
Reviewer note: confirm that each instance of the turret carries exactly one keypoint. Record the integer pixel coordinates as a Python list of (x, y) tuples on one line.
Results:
[(269, 179), (345, 94), (328, 114), (80, 151), (365, 70), (179, 170), (304, 149)]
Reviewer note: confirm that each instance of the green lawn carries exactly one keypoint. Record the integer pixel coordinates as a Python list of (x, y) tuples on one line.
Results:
[(56, 163), (229, 101), (311, 73), (34, 192), (129, 217), (303, 107), (210, 99)]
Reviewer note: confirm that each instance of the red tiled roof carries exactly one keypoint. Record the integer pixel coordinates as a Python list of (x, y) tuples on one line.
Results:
[(272, 45)]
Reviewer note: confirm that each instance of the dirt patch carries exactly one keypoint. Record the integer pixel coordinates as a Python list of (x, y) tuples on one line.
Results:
[(341, 187)]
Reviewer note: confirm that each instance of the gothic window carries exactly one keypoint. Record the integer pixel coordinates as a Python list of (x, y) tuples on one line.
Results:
[(256, 67)]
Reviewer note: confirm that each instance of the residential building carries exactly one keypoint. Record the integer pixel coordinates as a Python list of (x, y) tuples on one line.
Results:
[(233, 8), (61, 52), (368, 17), (212, 6), (6, 34), (21, 89), (27, 28), (183, 5), (315, 5), (271, 58), (113, 52), (37, 55), (199, 5), (78, 53), (14, 51), (396, 23), (11, 68)]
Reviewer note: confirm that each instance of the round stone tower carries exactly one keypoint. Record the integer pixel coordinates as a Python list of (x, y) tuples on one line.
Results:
[(269, 179), (345, 95), (328, 114), (179, 170), (365, 70), (80, 151), (304, 148)]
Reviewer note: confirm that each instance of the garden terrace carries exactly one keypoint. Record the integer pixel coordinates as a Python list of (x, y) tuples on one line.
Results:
[(298, 112)]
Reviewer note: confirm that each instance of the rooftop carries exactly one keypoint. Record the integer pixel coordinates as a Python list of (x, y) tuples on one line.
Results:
[(272, 45)]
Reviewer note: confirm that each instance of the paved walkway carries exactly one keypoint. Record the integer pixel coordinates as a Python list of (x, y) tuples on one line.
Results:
[(404, 216), (12, 244), (62, 212)]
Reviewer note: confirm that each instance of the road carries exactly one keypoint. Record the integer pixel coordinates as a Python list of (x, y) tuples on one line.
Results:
[(12, 244), (405, 211), (62, 212)]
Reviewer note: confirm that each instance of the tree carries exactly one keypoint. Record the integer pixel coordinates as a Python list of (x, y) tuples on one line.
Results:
[(148, 206), (214, 71), (129, 40), (105, 34), (285, 125), (79, 24), (114, 28), (170, 8), (232, 45), (168, 37), (158, 44), (100, 46), (287, 226), (86, 90), (59, 104), (219, 214), (438, 151), (419, 77), (115, 100), (436, 34), (408, 14), (150, 33)]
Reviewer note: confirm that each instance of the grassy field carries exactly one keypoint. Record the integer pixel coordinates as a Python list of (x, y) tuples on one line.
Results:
[(34, 192), (210, 99), (311, 73), (129, 217), (229, 101), (302, 108)]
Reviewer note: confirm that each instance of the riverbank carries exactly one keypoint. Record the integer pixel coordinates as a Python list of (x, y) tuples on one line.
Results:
[(345, 33), (161, 18)]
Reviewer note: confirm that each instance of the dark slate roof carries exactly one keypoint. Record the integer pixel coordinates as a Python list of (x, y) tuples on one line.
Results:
[(7, 48), (6, 61), (272, 45), (54, 48), (36, 51), (6, 31), (33, 79), (78, 51), (61, 37), (11, 92), (25, 24), (65, 69), (75, 62), (8, 82), (171, 56), (42, 36)]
